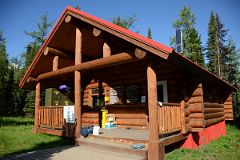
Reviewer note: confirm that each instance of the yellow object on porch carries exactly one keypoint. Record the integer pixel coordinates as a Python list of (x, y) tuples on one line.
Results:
[(104, 117)]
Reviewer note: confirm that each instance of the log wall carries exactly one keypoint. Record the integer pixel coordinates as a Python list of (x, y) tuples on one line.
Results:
[(127, 115), (195, 108), (228, 108), (213, 113)]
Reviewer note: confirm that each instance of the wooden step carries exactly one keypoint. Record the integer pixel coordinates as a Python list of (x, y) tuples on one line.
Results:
[(105, 144)]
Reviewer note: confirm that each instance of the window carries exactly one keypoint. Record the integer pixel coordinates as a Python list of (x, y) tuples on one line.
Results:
[(162, 91)]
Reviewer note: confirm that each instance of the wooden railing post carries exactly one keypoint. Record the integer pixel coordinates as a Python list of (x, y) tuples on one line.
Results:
[(37, 105), (77, 83), (183, 123), (153, 142)]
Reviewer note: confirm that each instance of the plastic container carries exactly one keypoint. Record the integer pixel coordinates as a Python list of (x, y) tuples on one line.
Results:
[(108, 125), (96, 130)]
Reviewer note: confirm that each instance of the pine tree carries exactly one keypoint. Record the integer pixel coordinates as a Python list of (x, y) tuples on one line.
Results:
[(149, 34), (191, 39), (126, 22), (232, 65), (212, 46), (32, 48), (4, 110)]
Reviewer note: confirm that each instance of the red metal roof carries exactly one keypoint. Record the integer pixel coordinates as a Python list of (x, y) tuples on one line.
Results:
[(121, 30)]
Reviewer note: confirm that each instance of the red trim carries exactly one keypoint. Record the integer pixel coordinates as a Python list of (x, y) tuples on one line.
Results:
[(196, 139)]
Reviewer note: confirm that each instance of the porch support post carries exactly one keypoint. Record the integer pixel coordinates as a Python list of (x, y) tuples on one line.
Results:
[(77, 83), (153, 142), (37, 105)]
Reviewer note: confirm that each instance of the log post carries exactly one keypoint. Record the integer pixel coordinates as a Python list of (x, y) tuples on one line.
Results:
[(183, 122), (106, 50), (153, 142), (37, 105), (77, 83), (55, 63)]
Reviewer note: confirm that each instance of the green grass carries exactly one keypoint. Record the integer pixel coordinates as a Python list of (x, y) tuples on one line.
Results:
[(224, 148), (16, 137)]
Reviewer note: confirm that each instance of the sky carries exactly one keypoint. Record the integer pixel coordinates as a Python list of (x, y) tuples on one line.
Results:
[(19, 16)]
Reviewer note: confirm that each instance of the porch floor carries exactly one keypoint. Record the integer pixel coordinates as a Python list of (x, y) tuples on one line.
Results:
[(123, 134)]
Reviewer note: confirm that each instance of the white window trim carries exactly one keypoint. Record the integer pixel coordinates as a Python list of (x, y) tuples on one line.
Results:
[(165, 91)]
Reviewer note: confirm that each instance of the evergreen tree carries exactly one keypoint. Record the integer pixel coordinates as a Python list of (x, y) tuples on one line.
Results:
[(212, 46), (127, 22), (191, 39), (232, 65), (149, 34), (32, 48), (4, 110), (41, 34)]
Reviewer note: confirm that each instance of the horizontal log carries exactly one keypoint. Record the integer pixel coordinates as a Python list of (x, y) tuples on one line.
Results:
[(187, 120), (228, 103), (196, 115), (196, 108), (187, 112), (196, 123), (90, 120), (197, 99), (198, 92), (213, 121), (213, 110), (228, 106), (49, 51), (90, 115), (90, 65), (228, 110), (228, 115), (213, 105), (132, 122), (96, 32), (68, 18), (139, 53), (171, 104), (131, 116), (213, 115), (31, 79), (90, 124)]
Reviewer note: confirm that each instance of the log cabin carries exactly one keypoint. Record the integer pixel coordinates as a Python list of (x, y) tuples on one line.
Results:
[(146, 85)]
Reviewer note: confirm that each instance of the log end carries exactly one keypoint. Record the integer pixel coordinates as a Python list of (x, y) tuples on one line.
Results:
[(68, 18)]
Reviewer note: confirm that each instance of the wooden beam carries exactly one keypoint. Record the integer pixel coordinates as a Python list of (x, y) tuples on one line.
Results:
[(90, 65), (153, 142), (55, 63), (31, 79), (139, 53), (68, 18), (96, 32), (37, 105), (49, 51), (106, 50), (77, 83)]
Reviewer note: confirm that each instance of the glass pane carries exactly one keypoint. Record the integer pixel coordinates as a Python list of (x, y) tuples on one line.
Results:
[(160, 93)]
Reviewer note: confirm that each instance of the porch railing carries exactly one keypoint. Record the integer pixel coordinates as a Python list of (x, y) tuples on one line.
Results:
[(51, 117), (169, 118)]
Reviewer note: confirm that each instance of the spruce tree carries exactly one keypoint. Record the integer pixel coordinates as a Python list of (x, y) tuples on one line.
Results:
[(149, 34), (232, 63), (191, 39), (212, 46), (4, 110), (126, 22)]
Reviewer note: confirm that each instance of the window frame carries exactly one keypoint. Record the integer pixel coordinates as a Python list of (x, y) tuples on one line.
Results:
[(165, 90)]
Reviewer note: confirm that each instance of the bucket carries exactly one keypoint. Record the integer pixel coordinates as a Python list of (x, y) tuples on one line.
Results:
[(96, 130)]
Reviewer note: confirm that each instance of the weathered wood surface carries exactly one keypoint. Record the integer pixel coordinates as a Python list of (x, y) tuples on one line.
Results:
[(51, 117), (90, 65), (37, 105), (153, 143)]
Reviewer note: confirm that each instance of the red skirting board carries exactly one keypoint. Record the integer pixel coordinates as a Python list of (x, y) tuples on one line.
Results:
[(196, 139)]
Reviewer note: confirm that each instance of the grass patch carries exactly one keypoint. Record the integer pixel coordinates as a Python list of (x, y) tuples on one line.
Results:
[(227, 148), (18, 138)]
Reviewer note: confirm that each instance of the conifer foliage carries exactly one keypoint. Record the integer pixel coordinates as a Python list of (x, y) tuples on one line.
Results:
[(192, 45)]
